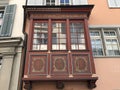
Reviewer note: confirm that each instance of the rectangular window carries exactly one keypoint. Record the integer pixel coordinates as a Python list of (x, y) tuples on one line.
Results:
[(40, 37), (56, 2), (77, 36), (50, 2), (105, 42), (114, 3), (111, 43), (57, 36), (97, 45), (64, 2)]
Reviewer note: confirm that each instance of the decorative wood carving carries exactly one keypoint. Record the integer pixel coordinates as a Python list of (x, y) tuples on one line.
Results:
[(80, 63), (59, 64), (28, 85), (59, 85), (38, 64), (91, 83), (58, 16)]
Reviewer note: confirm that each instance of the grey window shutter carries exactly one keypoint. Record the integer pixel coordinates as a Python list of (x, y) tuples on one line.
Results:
[(8, 20)]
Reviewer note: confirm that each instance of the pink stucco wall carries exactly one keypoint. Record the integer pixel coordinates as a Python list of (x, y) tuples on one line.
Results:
[(102, 14)]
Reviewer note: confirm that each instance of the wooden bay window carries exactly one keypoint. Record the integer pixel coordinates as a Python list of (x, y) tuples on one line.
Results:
[(58, 46)]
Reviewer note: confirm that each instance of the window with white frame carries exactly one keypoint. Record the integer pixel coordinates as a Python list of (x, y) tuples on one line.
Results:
[(105, 41), (50, 2), (114, 3), (64, 2), (56, 2)]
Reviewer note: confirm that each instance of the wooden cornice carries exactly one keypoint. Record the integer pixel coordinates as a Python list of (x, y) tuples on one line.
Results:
[(59, 9)]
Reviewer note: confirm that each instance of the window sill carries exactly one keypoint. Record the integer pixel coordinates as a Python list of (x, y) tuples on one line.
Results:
[(106, 56)]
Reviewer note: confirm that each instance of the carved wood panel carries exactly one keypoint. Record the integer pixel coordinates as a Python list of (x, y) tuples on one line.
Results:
[(80, 63), (38, 65), (59, 64)]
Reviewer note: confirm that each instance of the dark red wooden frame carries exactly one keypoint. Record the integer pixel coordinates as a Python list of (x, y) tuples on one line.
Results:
[(67, 13)]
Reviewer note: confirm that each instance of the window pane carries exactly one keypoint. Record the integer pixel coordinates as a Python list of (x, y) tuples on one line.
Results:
[(112, 45), (64, 2), (59, 36), (40, 36), (96, 41), (77, 36), (50, 2)]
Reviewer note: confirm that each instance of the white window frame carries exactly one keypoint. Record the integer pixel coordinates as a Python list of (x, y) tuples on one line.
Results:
[(57, 2), (103, 38), (114, 3), (96, 53)]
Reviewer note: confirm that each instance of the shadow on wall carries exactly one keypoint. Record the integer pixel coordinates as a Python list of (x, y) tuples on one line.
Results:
[(52, 86)]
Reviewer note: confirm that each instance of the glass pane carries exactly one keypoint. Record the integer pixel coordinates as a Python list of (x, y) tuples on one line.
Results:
[(117, 52), (108, 41), (115, 47), (66, 1), (62, 41), (55, 47), (109, 47), (112, 33), (62, 46), (77, 35), (40, 36), (74, 41), (114, 41), (81, 41), (106, 33), (74, 47), (100, 52), (80, 35), (95, 33), (59, 35), (54, 40), (98, 41), (61, 1), (82, 47)]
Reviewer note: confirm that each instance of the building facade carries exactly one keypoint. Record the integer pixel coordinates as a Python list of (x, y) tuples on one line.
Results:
[(72, 43), (11, 43)]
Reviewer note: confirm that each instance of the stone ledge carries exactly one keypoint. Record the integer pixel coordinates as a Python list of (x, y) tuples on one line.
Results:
[(8, 45), (10, 41)]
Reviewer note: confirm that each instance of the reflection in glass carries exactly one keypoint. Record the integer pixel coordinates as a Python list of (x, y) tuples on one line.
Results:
[(58, 36), (40, 36), (77, 36)]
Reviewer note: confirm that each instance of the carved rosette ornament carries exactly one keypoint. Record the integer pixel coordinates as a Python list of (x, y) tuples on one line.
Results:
[(59, 64), (80, 64), (38, 64)]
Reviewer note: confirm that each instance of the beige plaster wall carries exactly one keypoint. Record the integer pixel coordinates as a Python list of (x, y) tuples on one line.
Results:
[(102, 14)]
